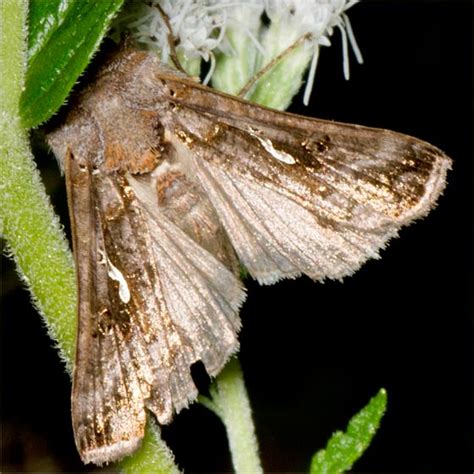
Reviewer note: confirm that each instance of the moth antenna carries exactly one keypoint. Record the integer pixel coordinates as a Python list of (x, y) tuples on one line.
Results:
[(272, 63), (171, 39)]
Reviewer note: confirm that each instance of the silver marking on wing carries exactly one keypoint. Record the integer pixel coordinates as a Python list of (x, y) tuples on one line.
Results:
[(267, 144), (116, 275)]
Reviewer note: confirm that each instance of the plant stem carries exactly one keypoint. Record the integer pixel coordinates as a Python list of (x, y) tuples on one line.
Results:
[(12, 53), (35, 238), (231, 403), (32, 230)]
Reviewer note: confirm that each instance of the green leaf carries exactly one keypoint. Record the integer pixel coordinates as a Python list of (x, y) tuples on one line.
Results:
[(63, 36), (343, 449)]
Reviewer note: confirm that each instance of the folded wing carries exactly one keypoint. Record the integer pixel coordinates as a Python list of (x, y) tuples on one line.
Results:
[(152, 302)]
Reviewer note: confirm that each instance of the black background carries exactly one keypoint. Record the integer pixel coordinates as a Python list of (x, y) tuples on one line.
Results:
[(314, 354)]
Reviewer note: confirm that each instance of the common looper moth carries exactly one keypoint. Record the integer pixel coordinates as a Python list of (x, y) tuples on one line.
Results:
[(170, 185)]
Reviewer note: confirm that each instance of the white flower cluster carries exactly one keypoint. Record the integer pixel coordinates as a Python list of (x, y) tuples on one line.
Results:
[(317, 18), (199, 27)]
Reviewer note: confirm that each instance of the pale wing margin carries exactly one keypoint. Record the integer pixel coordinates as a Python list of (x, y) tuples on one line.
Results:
[(319, 202)]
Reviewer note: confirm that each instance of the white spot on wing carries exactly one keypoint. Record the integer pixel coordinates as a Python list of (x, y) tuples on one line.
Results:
[(116, 275), (280, 155)]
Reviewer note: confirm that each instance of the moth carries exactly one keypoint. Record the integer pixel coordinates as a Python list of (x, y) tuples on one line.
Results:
[(171, 186)]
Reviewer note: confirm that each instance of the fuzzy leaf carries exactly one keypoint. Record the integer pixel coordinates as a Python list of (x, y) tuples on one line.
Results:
[(343, 449), (63, 36)]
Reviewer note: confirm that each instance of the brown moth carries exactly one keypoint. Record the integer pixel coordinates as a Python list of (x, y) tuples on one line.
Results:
[(170, 184)]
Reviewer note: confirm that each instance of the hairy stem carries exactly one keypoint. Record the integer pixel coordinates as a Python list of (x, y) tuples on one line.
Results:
[(231, 403), (35, 238), (12, 53), (31, 228)]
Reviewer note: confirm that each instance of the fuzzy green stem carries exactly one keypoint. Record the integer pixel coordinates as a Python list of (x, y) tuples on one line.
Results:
[(231, 403), (35, 238), (31, 228), (12, 53)]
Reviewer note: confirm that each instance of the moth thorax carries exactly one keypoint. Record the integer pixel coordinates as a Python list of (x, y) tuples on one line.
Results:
[(137, 148)]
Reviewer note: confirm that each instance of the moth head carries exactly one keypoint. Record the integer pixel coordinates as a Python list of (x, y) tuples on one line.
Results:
[(135, 74)]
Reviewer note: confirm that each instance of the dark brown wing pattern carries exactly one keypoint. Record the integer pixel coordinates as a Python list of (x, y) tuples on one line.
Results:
[(300, 195), (151, 303), (166, 181)]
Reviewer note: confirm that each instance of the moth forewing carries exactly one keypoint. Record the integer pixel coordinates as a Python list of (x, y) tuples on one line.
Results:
[(168, 183), (345, 191)]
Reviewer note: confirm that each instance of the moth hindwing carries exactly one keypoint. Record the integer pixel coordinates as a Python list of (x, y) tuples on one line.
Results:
[(171, 184)]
